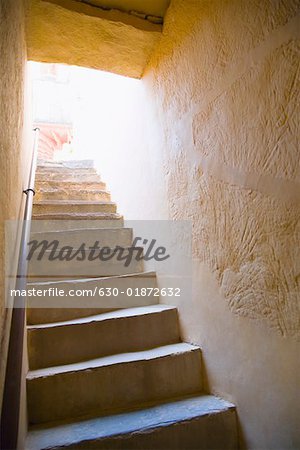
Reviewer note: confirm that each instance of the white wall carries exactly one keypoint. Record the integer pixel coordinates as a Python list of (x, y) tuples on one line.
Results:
[(117, 126)]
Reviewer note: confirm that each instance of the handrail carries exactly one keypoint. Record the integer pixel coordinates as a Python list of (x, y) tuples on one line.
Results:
[(9, 427)]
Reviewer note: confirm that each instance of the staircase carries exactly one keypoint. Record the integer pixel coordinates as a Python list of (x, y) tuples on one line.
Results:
[(104, 377)]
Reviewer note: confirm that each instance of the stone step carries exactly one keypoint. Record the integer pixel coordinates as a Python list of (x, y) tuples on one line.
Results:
[(107, 237), (53, 308), (70, 176), (42, 264), (127, 330), (63, 173), (72, 194), (71, 163), (112, 383), (35, 315), (69, 185), (202, 422), (69, 206), (64, 169), (71, 221)]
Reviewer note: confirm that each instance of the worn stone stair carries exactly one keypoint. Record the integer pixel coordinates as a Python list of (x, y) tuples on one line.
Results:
[(199, 422), (73, 308), (72, 219), (85, 193), (111, 237), (71, 190), (107, 373), (73, 206), (121, 331), (113, 383), (57, 269)]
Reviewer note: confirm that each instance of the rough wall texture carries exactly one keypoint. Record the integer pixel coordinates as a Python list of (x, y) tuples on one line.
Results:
[(228, 77), (217, 115), (225, 79), (65, 31), (151, 7), (217, 121), (14, 158)]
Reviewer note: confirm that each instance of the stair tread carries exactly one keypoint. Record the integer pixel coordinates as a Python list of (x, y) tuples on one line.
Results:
[(84, 190), (73, 202), (154, 353), (73, 163), (79, 230), (160, 415), (118, 314), (63, 182), (94, 279), (76, 215)]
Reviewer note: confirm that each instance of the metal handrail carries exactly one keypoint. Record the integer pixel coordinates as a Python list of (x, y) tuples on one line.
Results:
[(9, 427)]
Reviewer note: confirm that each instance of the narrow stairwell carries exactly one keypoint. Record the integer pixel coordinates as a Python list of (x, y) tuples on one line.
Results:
[(117, 377)]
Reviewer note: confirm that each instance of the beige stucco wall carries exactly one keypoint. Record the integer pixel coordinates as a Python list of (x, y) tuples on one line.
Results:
[(228, 89), (226, 82), (150, 7), (70, 32), (217, 129), (212, 137), (15, 136)]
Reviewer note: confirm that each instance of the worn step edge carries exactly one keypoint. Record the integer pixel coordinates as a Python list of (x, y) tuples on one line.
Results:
[(64, 182), (109, 316), (159, 415), (85, 268), (73, 231), (149, 274), (72, 202), (72, 341), (66, 312), (51, 190), (77, 216), (120, 301), (72, 163), (121, 358)]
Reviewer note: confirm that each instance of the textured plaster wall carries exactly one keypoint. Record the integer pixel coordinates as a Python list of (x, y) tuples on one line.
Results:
[(210, 134), (225, 78), (151, 7), (14, 140), (66, 31), (228, 78)]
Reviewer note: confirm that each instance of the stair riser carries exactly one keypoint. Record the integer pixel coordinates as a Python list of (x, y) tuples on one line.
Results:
[(65, 170), (52, 185), (74, 305), (74, 208), (67, 177), (111, 388), (209, 432), (49, 315), (72, 194), (74, 343), (46, 224), (106, 237), (70, 163), (58, 269)]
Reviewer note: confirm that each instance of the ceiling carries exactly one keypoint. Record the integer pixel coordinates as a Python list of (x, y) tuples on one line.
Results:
[(72, 32), (148, 7)]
